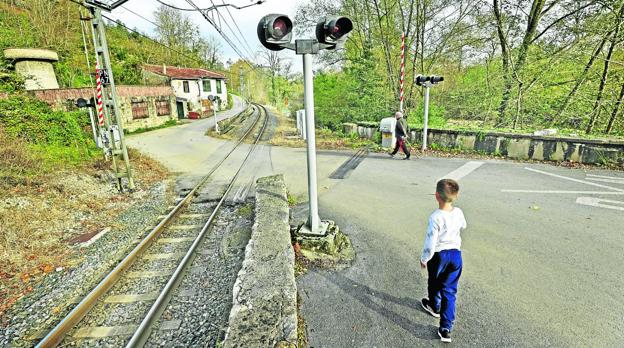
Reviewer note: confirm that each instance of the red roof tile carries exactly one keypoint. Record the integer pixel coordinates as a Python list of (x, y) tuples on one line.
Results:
[(182, 73)]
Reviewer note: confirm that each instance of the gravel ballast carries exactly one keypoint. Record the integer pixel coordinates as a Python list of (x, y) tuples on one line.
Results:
[(54, 297)]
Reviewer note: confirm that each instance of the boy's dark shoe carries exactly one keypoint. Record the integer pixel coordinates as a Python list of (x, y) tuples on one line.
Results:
[(407, 158), (445, 335), (427, 307)]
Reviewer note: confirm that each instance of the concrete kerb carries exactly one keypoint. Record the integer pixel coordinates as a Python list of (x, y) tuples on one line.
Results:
[(264, 311)]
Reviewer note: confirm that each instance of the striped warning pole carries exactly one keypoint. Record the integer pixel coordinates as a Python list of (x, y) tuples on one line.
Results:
[(100, 106), (402, 70)]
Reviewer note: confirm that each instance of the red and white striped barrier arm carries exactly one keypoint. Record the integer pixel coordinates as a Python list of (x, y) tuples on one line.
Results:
[(402, 71), (100, 106)]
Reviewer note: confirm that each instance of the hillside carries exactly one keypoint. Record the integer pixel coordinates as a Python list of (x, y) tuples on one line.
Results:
[(27, 23)]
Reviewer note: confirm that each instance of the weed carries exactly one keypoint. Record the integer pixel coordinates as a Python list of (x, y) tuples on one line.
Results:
[(246, 211), (292, 200)]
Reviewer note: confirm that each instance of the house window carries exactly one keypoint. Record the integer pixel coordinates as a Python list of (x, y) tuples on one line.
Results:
[(163, 108), (185, 85), (139, 110), (207, 86), (219, 82)]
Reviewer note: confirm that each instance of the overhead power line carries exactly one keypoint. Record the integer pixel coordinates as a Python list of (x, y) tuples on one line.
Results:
[(209, 8), (220, 31), (238, 28), (243, 45), (155, 41)]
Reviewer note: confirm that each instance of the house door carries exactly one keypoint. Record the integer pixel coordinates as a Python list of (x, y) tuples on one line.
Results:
[(180, 107)]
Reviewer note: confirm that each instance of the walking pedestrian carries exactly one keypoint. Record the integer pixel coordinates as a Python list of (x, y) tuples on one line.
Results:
[(400, 131), (441, 256)]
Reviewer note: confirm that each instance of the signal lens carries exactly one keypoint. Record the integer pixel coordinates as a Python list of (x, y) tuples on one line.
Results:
[(280, 28)]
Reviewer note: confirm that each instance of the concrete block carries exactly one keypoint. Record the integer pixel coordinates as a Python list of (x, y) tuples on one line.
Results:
[(466, 142), (264, 311), (486, 144), (518, 148), (549, 151), (349, 128), (601, 155), (537, 152), (35, 65), (572, 152), (445, 140)]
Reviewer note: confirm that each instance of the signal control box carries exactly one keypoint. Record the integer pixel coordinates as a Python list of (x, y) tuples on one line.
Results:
[(388, 137)]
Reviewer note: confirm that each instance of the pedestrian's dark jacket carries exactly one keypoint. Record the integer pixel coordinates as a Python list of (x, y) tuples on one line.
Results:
[(401, 127)]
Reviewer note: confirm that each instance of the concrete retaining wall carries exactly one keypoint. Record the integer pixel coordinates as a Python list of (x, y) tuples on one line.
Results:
[(264, 312), (518, 146), (525, 147), (363, 130)]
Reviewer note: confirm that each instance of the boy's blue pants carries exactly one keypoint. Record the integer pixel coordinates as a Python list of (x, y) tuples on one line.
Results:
[(444, 271)]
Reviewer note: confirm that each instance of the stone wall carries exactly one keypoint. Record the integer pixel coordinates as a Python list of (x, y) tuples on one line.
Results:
[(516, 146), (141, 96), (527, 147), (264, 310)]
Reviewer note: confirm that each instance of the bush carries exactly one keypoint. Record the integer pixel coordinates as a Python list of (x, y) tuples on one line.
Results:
[(35, 122), (415, 118)]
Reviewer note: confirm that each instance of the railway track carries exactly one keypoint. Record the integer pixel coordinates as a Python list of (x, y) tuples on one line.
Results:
[(158, 264)]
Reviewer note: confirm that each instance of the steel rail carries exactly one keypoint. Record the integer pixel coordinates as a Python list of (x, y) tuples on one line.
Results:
[(56, 335), (143, 332)]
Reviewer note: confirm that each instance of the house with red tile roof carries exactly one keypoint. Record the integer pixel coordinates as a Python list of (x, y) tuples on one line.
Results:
[(191, 86)]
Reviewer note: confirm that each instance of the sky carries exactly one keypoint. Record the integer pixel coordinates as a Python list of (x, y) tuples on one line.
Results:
[(247, 20)]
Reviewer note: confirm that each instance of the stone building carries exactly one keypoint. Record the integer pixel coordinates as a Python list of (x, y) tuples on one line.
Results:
[(191, 86), (141, 106)]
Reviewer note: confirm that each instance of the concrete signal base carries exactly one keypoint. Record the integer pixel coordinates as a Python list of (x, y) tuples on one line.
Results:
[(332, 249)]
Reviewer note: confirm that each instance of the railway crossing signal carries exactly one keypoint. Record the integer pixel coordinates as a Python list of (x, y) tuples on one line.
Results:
[(275, 33), (427, 82), (332, 30)]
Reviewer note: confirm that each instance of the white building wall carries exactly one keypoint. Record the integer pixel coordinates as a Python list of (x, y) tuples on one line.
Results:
[(213, 91), (193, 95), (197, 93)]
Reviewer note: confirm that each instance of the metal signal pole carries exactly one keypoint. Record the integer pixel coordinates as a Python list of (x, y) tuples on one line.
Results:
[(308, 93), (110, 102)]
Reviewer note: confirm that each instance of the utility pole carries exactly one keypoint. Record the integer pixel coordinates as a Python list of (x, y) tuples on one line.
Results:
[(113, 123), (241, 83)]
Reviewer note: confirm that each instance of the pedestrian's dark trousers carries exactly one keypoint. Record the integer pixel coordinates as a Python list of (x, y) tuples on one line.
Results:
[(400, 143), (444, 270)]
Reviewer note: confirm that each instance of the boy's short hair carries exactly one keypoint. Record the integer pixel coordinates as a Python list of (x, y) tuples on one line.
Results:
[(448, 190)]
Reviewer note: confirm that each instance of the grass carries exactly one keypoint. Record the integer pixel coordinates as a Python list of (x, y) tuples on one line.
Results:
[(286, 135), (48, 195)]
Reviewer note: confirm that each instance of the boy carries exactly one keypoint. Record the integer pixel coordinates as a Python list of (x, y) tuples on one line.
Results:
[(441, 256)]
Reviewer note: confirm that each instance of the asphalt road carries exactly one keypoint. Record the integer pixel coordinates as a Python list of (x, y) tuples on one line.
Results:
[(543, 251)]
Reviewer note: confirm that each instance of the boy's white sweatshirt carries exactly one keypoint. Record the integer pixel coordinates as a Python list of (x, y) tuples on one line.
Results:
[(443, 232)]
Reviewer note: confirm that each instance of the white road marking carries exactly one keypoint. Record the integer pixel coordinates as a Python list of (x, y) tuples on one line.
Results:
[(572, 179), (566, 192), (611, 181), (598, 202), (606, 177), (462, 171)]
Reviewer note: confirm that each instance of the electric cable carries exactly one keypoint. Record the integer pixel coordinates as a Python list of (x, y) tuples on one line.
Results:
[(225, 37), (154, 40), (238, 28), (243, 45)]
